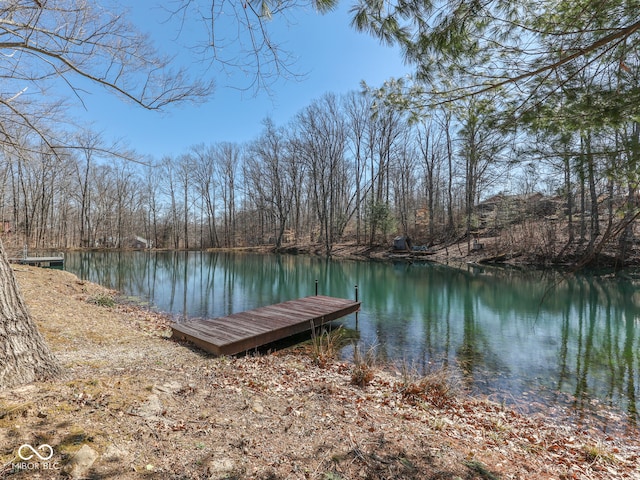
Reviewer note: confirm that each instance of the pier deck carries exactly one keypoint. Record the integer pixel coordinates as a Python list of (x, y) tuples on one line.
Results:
[(39, 261), (239, 332)]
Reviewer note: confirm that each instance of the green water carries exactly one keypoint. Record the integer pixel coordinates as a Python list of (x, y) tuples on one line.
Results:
[(567, 345)]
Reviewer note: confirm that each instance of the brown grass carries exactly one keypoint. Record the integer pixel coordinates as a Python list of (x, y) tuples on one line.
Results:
[(363, 370), (438, 387)]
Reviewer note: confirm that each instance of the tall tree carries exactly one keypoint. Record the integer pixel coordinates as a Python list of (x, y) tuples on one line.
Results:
[(271, 177), (481, 143), (430, 143), (23, 353), (358, 111), (86, 143), (151, 188), (384, 129), (228, 155), (206, 183), (403, 180), (170, 187), (184, 176), (322, 141)]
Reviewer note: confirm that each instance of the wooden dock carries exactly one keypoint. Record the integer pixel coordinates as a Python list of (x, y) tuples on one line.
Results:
[(244, 331), (39, 261)]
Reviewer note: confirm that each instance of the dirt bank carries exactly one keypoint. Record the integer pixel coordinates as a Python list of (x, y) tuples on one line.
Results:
[(138, 405)]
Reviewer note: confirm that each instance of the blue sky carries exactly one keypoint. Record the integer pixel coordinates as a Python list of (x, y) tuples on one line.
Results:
[(335, 57)]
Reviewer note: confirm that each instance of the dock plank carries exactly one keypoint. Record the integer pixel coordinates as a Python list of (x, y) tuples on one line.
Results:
[(242, 331)]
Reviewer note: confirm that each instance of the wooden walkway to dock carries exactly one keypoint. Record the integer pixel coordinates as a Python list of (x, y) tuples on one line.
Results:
[(244, 331)]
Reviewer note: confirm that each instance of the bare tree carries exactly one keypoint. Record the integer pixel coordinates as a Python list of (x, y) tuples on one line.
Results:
[(184, 177), (248, 45), (297, 172), (170, 188), (206, 183), (404, 183), (384, 128), (102, 228), (87, 144), (270, 178), (126, 194), (322, 139), (228, 155), (358, 107), (23, 351), (151, 187), (431, 145)]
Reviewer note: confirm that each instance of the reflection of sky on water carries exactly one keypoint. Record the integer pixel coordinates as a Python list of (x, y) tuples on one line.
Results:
[(506, 331)]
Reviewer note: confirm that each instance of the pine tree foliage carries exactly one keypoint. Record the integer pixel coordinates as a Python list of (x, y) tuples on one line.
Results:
[(503, 43)]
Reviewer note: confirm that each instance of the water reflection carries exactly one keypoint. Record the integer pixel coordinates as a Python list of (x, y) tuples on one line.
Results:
[(511, 333)]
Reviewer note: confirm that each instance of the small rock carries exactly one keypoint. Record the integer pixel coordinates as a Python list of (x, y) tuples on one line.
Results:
[(81, 462), (220, 468), (171, 388), (257, 407), (151, 408), (114, 454)]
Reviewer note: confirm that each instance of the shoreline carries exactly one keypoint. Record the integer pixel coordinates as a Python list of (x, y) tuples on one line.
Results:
[(144, 406), (445, 254)]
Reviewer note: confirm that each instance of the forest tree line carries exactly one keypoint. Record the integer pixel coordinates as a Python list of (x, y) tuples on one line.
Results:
[(506, 97), (358, 167)]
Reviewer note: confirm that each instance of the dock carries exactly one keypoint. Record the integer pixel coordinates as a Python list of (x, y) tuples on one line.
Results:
[(243, 331), (46, 261), (39, 261)]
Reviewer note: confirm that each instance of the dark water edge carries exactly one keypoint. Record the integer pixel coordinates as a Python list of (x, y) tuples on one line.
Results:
[(567, 345)]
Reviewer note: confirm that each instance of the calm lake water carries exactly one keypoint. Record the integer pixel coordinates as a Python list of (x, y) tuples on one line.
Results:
[(566, 345)]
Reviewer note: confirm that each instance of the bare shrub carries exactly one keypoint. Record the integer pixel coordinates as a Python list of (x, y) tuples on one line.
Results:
[(437, 387), (363, 366), (326, 345)]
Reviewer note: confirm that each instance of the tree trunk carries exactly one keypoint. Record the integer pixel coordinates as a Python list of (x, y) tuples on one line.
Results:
[(569, 189), (593, 195), (24, 356), (450, 220)]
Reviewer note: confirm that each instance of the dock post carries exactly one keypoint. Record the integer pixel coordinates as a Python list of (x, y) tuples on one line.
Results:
[(316, 287), (356, 311)]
